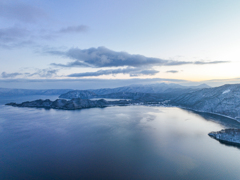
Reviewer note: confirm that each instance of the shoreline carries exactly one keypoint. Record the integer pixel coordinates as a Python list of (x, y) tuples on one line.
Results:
[(208, 112), (145, 104)]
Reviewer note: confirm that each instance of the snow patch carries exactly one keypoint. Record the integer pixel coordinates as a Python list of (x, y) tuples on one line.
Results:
[(227, 91)]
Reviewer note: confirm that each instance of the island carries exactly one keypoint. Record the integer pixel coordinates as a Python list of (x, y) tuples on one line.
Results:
[(227, 136), (73, 104)]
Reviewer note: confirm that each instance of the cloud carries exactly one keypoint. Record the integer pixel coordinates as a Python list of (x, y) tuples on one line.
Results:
[(172, 71), (72, 64), (94, 83), (209, 62), (74, 29), (21, 12), (148, 72), (103, 57), (12, 34), (131, 71), (44, 73), (10, 75), (17, 36), (84, 83)]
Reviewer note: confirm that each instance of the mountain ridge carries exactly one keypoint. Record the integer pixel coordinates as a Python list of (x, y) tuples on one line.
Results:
[(163, 88), (223, 100)]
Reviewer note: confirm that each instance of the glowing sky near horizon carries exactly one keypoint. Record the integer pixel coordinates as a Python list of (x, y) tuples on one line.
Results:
[(120, 39)]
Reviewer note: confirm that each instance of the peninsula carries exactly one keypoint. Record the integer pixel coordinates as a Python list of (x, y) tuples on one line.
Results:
[(228, 136), (75, 103)]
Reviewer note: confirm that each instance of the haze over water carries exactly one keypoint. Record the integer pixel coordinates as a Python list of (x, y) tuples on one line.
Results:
[(130, 142)]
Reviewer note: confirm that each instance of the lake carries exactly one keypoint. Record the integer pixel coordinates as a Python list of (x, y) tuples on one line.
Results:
[(127, 142)]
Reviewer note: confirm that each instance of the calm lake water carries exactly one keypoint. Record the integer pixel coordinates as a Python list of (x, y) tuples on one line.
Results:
[(131, 142)]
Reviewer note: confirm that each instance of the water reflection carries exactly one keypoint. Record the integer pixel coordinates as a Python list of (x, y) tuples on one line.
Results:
[(131, 142), (228, 144), (224, 121)]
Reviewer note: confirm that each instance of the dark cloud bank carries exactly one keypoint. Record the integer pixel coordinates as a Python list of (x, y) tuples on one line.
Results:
[(131, 71), (102, 57), (10, 75)]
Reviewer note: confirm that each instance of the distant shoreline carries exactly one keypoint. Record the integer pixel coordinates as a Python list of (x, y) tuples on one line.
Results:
[(209, 113)]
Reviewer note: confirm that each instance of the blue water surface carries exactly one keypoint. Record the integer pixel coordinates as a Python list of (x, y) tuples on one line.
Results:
[(127, 142)]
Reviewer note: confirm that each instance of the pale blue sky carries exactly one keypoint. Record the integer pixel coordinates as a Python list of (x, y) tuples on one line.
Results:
[(173, 39)]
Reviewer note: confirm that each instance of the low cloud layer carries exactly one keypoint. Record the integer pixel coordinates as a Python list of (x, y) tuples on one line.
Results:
[(84, 83), (43, 73), (172, 71), (10, 75), (131, 71), (103, 57), (209, 62)]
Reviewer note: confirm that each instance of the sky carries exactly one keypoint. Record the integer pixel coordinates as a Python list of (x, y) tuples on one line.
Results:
[(179, 41)]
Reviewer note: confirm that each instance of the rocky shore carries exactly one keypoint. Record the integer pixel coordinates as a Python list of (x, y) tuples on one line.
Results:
[(229, 136)]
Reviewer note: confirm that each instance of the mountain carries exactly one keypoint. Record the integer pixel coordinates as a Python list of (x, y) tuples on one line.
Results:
[(149, 88), (201, 86), (167, 91), (224, 100), (83, 94)]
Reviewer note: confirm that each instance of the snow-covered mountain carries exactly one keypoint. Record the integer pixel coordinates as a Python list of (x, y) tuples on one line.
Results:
[(224, 100), (149, 88), (167, 90)]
